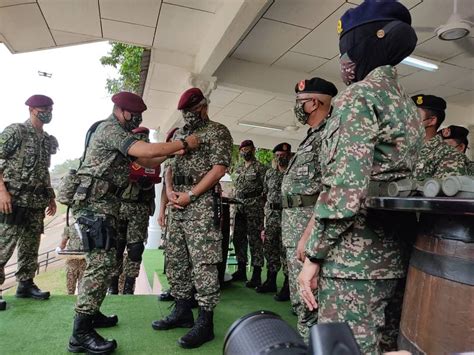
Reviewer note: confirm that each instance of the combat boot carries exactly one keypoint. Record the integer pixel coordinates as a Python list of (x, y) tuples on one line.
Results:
[(202, 332), (100, 320), (28, 289), (284, 294), (113, 287), (240, 274), (129, 286), (256, 279), (181, 317), (85, 339), (269, 285), (166, 296), (3, 303)]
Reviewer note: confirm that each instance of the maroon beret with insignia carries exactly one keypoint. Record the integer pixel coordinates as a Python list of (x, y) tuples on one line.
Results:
[(190, 98), (141, 130), (39, 101), (282, 147), (129, 102), (246, 143)]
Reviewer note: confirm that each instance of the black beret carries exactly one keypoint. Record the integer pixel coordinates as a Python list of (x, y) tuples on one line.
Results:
[(430, 102), (246, 143), (282, 147), (129, 101), (455, 132), (39, 101), (371, 11), (190, 98), (316, 86)]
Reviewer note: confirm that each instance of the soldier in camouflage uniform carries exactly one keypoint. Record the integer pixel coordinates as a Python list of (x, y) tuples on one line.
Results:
[(138, 203), (301, 185), (103, 174), (194, 245), (75, 264), (356, 256), (436, 159), (456, 137), (25, 192), (249, 215), (273, 249)]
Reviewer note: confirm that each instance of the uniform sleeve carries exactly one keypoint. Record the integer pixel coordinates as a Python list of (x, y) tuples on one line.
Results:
[(221, 147), (453, 163), (265, 183), (116, 138), (10, 141), (347, 159)]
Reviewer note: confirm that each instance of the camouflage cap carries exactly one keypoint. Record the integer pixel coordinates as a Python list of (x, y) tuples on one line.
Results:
[(190, 98), (282, 147), (129, 101), (39, 101)]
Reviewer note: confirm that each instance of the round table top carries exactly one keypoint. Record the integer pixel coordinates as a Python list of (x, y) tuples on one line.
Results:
[(442, 205)]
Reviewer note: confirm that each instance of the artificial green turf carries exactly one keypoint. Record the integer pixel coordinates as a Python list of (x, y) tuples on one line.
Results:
[(43, 327)]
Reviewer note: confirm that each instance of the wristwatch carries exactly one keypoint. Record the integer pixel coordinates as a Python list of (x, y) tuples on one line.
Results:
[(185, 143), (192, 196)]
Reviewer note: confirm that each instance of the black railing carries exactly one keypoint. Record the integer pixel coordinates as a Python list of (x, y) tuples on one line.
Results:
[(50, 258)]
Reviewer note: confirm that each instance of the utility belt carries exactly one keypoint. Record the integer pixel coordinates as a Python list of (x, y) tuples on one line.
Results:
[(292, 201), (245, 195), (276, 206), (143, 196), (17, 217), (41, 190), (96, 232), (185, 180)]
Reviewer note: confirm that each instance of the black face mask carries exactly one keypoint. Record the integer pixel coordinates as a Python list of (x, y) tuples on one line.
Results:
[(247, 155), (134, 122), (283, 161)]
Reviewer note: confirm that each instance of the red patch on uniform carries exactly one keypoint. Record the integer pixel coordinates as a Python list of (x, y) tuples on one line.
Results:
[(301, 85)]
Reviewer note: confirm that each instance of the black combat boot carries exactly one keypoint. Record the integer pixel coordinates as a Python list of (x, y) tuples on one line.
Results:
[(85, 339), (113, 287), (284, 294), (202, 332), (129, 286), (28, 289), (166, 296), (100, 320), (181, 317), (256, 279), (3, 303), (269, 285), (240, 274)]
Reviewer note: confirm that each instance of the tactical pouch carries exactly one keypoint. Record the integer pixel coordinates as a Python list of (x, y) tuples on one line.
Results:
[(83, 187), (96, 232), (17, 217), (68, 187)]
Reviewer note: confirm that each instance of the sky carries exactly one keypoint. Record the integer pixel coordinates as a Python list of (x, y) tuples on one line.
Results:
[(77, 87)]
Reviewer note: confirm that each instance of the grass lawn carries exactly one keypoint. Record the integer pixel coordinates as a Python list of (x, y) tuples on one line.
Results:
[(43, 327)]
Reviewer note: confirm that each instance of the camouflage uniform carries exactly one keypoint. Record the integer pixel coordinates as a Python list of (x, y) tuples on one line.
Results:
[(104, 171), (301, 178), (74, 272), (273, 248), (373, 135), (25, 156), (438, 160), (194, 245), (249, 215)]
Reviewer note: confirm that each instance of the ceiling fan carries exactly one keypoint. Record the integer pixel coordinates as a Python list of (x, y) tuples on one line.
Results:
[(456, 29)]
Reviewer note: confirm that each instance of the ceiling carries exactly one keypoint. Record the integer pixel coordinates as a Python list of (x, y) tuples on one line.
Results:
[(248, 54)]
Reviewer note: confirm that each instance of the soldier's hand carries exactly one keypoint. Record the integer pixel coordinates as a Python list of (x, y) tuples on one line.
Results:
[(5, 202), (51, 210), (307, 282), (193, 141), (262, 235), (63, 244), (300, 254), (162, 220), (172, 197), (183, 199)]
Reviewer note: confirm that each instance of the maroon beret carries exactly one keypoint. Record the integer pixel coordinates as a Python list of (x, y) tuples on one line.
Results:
[(141, 130), (170, 134), (190, 98), (129, 101), (246, 143), (39, 101)]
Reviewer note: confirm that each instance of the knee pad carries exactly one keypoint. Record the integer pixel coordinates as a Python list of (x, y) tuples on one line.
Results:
[(135, 251)]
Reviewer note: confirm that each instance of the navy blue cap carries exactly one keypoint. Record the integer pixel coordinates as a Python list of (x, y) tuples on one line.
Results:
[(282, 147), (430, 102), (372, 11)]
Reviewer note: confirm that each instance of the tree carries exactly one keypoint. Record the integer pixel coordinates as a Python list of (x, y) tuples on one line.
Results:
[(128, 60)]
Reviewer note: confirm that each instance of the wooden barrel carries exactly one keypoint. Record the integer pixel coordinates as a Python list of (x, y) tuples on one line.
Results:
[(438, 306)]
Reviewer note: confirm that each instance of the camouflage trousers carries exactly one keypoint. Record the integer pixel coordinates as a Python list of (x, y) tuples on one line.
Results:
[(132, 234), (27, 237), (273, 249), (193, 250), (74, 271), (247, 229), (306, 318), (372, 308)]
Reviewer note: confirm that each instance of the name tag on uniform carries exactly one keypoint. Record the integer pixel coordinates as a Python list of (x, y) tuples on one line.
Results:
[(302, 170)]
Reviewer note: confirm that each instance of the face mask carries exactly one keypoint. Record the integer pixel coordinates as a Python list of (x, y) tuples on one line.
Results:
[(246, 155), (283, 161), (191, 117), (348, 69), (134, 122), (300, 114), (45, 116)]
